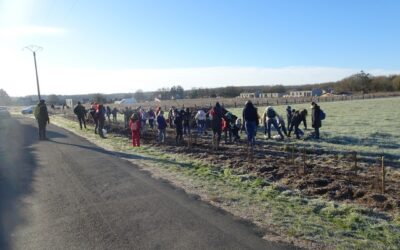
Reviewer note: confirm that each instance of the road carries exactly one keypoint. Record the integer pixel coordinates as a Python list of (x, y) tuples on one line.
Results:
[(66, 193)]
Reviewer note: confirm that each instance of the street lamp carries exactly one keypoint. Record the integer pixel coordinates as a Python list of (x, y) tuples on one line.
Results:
[(34, 49)]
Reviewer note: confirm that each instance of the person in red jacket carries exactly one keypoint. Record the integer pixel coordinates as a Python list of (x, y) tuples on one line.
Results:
[(134, 124)]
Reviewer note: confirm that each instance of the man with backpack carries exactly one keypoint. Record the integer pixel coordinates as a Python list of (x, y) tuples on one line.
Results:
[(270, 118), (317, 115), (80, 113), (42, 117)]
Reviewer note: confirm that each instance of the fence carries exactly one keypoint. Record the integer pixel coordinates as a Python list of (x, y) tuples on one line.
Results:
[(239, 102)]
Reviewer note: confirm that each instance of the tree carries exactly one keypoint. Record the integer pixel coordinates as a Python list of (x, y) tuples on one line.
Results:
[(139, 95), (99, 98), (396, 83), (177, 92), (53, 99), (278, 89), (4, 98)]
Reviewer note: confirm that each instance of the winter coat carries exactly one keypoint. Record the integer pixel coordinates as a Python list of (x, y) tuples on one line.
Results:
[(250, 114), (41, 114), (316, 117), (135, 126), (216, 113), (162, 124), (80, 111), (178, 121)]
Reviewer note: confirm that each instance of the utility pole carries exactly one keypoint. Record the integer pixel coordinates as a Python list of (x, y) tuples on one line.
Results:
[(34, 49)]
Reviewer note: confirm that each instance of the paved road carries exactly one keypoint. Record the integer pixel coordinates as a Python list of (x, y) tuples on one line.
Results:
[(66, 193)]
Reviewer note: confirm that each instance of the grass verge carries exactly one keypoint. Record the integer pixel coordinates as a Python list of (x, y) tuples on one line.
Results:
[(286, 215)]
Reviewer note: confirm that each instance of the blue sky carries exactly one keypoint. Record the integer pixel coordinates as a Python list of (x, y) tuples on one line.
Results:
[(122, 46)]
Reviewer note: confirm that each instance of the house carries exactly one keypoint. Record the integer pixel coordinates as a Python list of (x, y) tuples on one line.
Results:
[(317, 92), (272, 95), (126, 101), (247, 95), (300, 93)]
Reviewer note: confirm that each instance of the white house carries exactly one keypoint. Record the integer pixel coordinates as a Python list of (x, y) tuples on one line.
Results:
[(126, 101), (300, 93)]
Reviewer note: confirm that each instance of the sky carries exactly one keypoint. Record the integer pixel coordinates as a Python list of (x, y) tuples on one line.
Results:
[(122, 46)]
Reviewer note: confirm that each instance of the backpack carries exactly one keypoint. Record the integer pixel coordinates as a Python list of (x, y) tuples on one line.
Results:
[(322, 114)]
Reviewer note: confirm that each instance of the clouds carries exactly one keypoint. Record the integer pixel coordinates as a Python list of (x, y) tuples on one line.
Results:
[(77, 81)]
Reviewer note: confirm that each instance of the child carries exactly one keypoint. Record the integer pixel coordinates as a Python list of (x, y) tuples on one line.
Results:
[(134, 124)]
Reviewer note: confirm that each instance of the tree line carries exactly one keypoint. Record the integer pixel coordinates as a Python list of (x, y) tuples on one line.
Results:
[(361, 82)]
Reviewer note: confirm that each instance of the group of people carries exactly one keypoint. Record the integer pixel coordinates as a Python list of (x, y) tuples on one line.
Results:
[(219, 119)]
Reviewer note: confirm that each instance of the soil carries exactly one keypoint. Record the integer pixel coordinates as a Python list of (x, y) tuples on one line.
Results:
[(314, 173)]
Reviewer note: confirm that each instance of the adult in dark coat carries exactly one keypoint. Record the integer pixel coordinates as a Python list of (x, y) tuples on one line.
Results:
[(250, 119), (178, 121), (297, 118), (42, 117), (80, 113), (101, 116), (316, 119), (289, 115), (216, 121)]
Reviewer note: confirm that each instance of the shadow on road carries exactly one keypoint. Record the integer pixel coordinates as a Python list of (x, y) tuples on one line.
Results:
[(17, 167), (126, 155)]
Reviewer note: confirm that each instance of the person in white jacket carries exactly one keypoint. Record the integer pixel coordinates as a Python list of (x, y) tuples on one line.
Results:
[(200, 121)]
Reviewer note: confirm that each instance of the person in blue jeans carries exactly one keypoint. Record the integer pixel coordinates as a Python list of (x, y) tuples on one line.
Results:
[(162, 125), (250, 118), (270, 119)]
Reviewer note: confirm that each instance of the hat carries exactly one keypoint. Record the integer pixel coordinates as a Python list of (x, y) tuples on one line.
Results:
[(42, 101), (269, 108)]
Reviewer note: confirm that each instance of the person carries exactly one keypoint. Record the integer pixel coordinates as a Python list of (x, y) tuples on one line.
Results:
[(200, 121), (114, 113), (92, 112), (316, 120), (178, 122), (42, 117), (250, 119), (186, 121), (151, 115), (108, 113), (235, 131), (282, 125), (101, 116), (304, 114), (134, 125), (297, 118), (215, 115), (127, 115), (270, 118), (289, 115), (80, 113), (162, 125), (171, 117)]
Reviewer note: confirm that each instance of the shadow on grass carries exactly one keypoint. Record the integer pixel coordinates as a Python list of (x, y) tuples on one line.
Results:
[(17, 167)]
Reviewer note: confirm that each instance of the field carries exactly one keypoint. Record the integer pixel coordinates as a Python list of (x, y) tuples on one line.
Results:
[(368, 127), (315, 194)]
